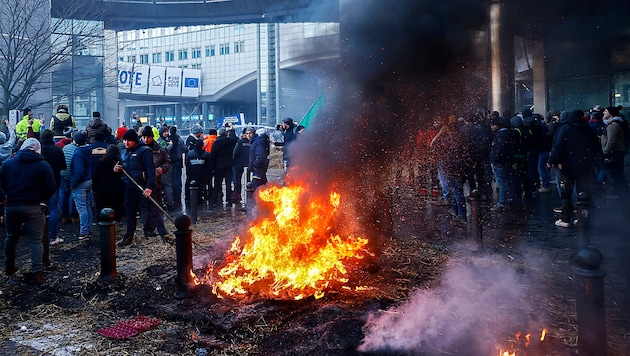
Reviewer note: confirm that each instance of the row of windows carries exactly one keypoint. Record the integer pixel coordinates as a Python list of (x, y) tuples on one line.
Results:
[(170, 36), (182, 54)]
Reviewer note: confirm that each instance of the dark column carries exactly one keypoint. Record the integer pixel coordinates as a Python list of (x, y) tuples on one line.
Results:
[(183, 248), (107, 230)]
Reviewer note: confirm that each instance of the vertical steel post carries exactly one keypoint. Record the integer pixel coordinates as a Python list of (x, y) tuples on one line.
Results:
[(183, 248), (194, 201), (591, 311), (107, 231)]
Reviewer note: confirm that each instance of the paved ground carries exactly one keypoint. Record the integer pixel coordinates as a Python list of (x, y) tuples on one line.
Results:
[(526, 238)]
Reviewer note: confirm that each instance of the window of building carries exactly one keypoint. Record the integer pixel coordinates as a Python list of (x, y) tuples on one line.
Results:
[(224, 31), (122, 59), (131, 59), (144, 58), (196, 52), (224, 48), (169, 56), (196, 66), (182, 54), (239, 29), (239, 46), (156, 57), (210, 51)]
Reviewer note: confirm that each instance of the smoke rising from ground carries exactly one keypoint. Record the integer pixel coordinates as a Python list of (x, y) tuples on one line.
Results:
[(475, 306)]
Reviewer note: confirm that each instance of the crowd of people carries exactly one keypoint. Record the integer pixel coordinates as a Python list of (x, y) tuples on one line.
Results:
[(524, 154), (74, 174)]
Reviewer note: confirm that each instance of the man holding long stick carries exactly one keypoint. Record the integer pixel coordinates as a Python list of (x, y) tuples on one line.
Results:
[(137, 160)]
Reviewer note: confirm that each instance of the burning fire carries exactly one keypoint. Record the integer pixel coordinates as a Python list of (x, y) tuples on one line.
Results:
[(526, 342), (293, 251)]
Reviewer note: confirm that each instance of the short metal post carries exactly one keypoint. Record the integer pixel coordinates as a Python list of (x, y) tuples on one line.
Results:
[(194, 201), (583, 203), (475, 215), (183, 248), (107, 230), (46, 238), (591, 312)]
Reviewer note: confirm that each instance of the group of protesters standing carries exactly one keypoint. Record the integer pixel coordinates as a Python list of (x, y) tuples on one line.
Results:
[(522, 154)]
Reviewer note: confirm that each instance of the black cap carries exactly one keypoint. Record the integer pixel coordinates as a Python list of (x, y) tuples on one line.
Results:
[(130, 135), (147, 131)]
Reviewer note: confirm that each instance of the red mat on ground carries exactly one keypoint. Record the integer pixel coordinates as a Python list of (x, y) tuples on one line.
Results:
[(128, 328)]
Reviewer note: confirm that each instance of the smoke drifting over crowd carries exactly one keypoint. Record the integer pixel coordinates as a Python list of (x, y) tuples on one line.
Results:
[(401, 65)]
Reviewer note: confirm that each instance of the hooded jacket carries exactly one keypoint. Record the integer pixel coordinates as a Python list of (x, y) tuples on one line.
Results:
[(575, 146), (6, 146), (613, 138), (26, 179), (21, 129)]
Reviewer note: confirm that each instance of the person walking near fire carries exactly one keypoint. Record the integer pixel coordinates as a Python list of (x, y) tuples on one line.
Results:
[(258, 165), (162, 164)]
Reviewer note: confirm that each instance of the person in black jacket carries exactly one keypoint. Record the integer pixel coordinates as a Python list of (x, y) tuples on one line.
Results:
[(54, 156), (574, 149), (137, 160), (241, 160), (26, 180), (221, 158), (198, 169), (107, 185), (502, 159), (258, 165)]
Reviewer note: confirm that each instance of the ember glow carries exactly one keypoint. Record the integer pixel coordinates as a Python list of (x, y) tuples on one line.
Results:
[(522, 342), (292, 252)]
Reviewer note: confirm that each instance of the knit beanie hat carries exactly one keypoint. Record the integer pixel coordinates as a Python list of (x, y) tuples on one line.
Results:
[(147, 131), (130, 135), (79, 138)]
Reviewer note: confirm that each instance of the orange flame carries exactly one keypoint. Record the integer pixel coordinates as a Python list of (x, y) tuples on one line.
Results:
[(543, 334), (292, 253)]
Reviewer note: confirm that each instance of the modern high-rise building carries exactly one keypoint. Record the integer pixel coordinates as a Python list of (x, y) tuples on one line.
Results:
[(259, 73)]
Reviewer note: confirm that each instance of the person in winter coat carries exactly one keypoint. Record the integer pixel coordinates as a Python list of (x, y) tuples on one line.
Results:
[(96, 126), (198, 166), (258, 164), (54, 156), (221, 158), (81, 183), (28, 126), (108, 186), (175, 149), (241, 160), (60, 122), (573, 152), (6, 146), (26, 180), (502, 158), (162, 164), (614, 147), (137, 160)]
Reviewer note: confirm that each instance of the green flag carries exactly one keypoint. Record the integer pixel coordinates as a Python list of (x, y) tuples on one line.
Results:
[(312, 112)]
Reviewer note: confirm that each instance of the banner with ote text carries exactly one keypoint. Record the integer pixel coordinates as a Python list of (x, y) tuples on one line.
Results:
[(140, 79)]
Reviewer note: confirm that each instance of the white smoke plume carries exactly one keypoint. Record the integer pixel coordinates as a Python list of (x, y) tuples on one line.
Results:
[(475, 306)]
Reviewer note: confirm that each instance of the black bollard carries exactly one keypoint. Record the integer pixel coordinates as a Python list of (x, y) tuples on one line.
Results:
[(183, 248), (583, 203), (194, 201), (475, 216), (591, 312), (107, 230), (46, 238)]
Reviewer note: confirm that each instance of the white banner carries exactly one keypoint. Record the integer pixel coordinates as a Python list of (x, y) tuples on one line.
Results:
[(157, 80), (191, 82), (140, 79), (125, 77), (173, 81)]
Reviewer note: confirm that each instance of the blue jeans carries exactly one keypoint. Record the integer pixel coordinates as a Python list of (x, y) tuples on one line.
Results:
[(443, 181), (34, 221), (53, 208), (65, 202), (81, 196), (502, 177)]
